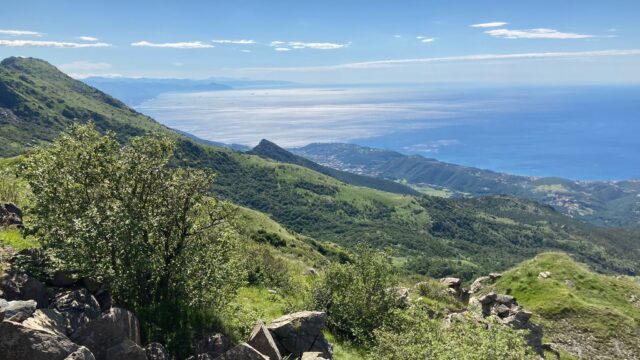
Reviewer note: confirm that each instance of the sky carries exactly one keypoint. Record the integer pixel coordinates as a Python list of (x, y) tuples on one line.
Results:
[(330, 41)]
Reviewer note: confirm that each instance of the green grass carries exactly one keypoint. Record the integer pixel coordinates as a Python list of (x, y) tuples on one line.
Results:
[(13, 238), (605, 307)]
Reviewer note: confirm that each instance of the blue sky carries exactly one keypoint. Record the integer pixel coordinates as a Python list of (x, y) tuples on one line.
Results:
[(530, 42)]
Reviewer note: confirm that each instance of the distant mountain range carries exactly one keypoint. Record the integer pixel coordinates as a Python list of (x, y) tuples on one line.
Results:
[(134, 91), (610, 203)]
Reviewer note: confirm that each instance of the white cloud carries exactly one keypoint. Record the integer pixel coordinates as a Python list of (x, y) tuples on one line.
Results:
[(81, 76), (282, 49), (477, 57), (317, 46), (177, 45), (245, 51), (87, 38), (540, 33), (277, 43), (55, 44), (236, 42), (397, 36), (427, 40), (489, 24), (20, 33)]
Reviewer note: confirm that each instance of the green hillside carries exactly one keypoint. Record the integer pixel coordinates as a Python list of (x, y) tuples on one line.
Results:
[(432, 236), (609, 203), (589, 315)]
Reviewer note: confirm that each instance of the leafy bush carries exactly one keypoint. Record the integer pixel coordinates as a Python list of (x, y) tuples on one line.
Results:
[(123, 215), (358, 296), (414, 336)]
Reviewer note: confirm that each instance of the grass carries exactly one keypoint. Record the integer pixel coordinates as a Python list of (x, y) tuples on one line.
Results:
[(605, 307), (13, 238)]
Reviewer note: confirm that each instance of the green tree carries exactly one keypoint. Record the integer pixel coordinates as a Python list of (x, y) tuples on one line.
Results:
[(358, 297), (122, 214)]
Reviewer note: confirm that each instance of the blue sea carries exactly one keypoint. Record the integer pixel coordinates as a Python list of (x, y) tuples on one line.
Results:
[(582, 133)]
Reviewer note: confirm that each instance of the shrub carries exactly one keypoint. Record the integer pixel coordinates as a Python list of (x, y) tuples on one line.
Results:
[(357, 296)]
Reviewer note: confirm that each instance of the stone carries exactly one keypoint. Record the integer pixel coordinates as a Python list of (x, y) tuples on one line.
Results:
[(501, 310), (213, 345), (495, 276), (49, 320), (505, 299), (544, 275), (103, 296), (488, 298), (322, 346), (402, 296), (243, 351), (156, 351), (63, 279), (20, 286), (312, 356), (20, 342), (298, 332), (261, 340), (91, 284), (81, 354), (110, 329), (311, 271), (126, 350), (479, 283), (26, 307), (523, 315), (10, 215), (78, 307), (451, 282)]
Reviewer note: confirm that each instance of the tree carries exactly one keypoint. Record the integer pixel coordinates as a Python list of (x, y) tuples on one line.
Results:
[(358, 297), (122, 214)]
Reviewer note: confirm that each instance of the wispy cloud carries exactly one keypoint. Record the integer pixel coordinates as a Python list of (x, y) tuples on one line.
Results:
[(236, 42), (489, 24), (282, 49), (425, 39), (86, 69), (87, 38), (397, 36), (54, 44), (464, 58), (20, 33), (540, 33), (245, 51), (176, 45), (306, 45)]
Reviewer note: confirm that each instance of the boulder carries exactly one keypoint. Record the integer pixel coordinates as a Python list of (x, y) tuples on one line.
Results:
[(126, 350), (261, 340), (63, 279), (299, 332), (110, 329), (156, 351), (91, 284), (488, 298), (501, 310), (479, 283), (81, 354), (78, 307), (451, 282), (544, 275), (20, 286), (312, 356), (495, 276), (49, 320), (103, 295), (10, 215), (20, 342), (12, 308), (507, 300), (243, 351), (213, 345)]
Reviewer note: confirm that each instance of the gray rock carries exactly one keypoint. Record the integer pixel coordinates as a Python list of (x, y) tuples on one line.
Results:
[(126, 350), (10, 215), (103, 295), (479, 283), (523, 315), (505, 299), (20, 342), (243, 351), (487, 299), (49, 320), (156, 351), (297, 333), (110, 329), (78, 307), (213, 345), (312, 356), (501, 310), (20, 286), (81, 354), (91, 284), (26, 307), (495, 276), (261, 340), (451, 282)]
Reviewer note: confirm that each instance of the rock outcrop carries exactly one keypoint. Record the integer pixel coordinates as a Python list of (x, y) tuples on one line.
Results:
[(10, 215), (301, 332), (19, 342), (20, 286), (261, 340), (109, 330), (454, 287)]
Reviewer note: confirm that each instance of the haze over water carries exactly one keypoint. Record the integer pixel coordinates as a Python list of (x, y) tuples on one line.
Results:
[(579, 133)]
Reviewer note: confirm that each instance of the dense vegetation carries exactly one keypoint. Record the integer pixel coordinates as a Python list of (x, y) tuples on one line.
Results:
[(602, 203)]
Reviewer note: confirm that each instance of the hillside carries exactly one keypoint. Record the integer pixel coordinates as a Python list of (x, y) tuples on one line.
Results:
[(269, 150), (588, 315), (431, 236), (612, 203)]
